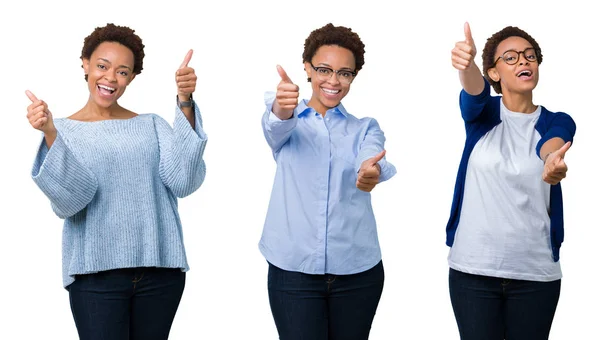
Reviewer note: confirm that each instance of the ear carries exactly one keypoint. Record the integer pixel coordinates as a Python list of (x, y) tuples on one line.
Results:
[(308, 70), (86, 65), (493, 74)]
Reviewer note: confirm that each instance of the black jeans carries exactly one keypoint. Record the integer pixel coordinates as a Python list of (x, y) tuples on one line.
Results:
[(324, 307), (126, 304), (494, 308)]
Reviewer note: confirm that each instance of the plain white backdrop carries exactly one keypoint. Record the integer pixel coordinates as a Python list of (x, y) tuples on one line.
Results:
[(407, 83)]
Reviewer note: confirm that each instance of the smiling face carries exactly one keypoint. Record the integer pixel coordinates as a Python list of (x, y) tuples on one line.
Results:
[(328, 91), (521, 77), (109, 71)]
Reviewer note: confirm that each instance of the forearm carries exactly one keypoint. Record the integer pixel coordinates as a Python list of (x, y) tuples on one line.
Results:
[(50, 137), (471, 80), (550, 146), (188, 111)]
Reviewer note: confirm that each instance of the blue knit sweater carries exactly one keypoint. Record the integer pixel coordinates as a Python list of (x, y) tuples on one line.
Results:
[(116, 183)]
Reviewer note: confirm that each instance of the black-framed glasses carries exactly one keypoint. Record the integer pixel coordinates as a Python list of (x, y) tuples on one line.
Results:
[(512, 57), (325, 73)]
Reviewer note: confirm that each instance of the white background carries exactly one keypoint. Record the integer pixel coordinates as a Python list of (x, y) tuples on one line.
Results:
[(407, 83)]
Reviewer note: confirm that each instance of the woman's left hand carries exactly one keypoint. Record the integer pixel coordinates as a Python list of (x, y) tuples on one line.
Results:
[(555, 168), (368, 175), (186, 79)]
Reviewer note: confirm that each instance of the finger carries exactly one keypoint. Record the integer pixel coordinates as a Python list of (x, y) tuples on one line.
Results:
[(187, 59), (560, 167), (368, 181), (377, 157), (39, 122), (288, 101), (561, 152), (463, 50), (555, 179), (369, 172), (363, 187), (185, 74), (456, 61), (37, 110), (283, 75), (468, 35), (287, 87), (31, 96), (287, 95), (187, 83), (459, 66)]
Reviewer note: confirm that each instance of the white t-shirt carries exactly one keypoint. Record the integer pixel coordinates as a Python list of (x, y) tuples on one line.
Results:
[(504, 226)]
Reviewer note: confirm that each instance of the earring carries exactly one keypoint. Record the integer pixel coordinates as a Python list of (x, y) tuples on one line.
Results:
[(309, 79)]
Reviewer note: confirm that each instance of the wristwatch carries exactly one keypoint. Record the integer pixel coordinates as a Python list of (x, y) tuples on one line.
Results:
[(184, 104)]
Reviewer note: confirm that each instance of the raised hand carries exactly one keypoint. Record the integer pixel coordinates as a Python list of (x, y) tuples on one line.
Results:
[(555, 168), (368, 174), (185, 77), (39, 116), (287, 96), (464, 51)]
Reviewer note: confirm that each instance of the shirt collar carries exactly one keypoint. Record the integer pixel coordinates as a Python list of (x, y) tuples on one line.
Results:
[(304, 109)]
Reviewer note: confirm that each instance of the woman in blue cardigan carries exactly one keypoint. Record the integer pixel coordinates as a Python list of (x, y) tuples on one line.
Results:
[(506, 222), (114, 176)]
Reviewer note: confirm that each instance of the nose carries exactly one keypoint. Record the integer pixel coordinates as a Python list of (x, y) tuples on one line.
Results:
[(110, 76), (333, 76)]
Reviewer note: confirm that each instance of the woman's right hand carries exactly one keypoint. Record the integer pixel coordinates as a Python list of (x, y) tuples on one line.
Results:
[(39, 116), (464, 51), (286, 98), (463, 55)]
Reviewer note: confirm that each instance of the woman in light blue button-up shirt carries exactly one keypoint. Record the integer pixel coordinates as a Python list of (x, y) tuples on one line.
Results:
[(320, 235)]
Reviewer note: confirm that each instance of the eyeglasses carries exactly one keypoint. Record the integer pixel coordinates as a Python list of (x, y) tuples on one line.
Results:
[(511, 57), (325, 73)]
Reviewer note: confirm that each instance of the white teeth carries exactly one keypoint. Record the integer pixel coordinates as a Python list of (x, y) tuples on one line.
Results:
[(524, 73), (331, 91), (106, 87)]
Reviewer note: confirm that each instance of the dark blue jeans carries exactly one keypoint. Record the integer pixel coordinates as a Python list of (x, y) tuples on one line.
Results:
[(126, 304), (494, 308), (324, 307)]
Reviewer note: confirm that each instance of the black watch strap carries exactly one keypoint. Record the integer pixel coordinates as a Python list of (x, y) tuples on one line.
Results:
[(184, 104)]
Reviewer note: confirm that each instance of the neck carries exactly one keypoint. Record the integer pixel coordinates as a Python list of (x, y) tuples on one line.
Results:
[(519, 102), (91, 110), (320, 108)]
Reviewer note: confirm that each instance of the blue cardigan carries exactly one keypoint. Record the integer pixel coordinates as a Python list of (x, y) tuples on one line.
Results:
[(481, 114)]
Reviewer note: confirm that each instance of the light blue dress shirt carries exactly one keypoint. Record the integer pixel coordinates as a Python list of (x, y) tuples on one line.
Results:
[(318, 221)]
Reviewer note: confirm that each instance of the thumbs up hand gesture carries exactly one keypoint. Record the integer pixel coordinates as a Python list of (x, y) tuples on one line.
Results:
[(186, 79), (368, 174), (555, 168), (286, 98), (39, 116), (464, 51)]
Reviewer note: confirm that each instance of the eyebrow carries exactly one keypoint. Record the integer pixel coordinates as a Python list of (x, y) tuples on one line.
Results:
[(515, 50), (120, 66), (329, 66)]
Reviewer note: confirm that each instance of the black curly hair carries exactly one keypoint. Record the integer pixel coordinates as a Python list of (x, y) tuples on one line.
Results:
[(332, 35), (119, 34), (489, 51)]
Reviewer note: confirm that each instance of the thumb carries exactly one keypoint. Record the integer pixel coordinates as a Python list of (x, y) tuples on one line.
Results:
[(377, 158), (187, 59), (31, 96), (284, 77), (563, 150), (468, 35)]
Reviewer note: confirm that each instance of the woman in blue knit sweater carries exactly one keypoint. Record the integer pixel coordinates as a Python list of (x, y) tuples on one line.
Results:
[(114, 177)]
